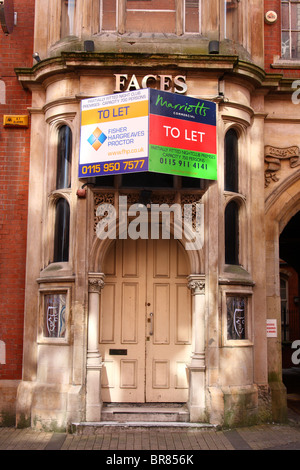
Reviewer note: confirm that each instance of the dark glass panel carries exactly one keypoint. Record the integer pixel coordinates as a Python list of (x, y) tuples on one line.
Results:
[(232, 233), (64, 153), (62, 230), (147, 180), (231, 161)]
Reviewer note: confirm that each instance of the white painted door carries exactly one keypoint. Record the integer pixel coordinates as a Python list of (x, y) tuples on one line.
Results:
[(145, 322)]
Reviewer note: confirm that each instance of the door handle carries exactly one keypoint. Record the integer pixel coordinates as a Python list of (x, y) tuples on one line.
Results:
[(151, 324)]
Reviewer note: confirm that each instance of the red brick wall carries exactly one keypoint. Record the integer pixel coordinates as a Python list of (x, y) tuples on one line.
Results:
[(273, 41), (16, 51)]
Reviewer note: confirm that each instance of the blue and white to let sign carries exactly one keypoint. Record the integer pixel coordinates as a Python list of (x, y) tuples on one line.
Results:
[(114, 134)]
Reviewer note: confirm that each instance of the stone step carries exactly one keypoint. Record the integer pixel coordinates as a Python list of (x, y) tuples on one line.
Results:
[(146, 413), (110, 426), (143, 416)]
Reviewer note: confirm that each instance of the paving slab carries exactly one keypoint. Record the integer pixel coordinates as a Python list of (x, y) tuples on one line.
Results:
[(162, 440)]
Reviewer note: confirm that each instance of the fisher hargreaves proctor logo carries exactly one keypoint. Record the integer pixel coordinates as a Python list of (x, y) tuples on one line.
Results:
[(97, 138)]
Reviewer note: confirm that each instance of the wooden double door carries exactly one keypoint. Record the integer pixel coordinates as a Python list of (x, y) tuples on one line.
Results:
[(145, 322)]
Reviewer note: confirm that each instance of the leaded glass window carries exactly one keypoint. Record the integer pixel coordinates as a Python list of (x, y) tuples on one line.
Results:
[(236, 317), (54, 316)]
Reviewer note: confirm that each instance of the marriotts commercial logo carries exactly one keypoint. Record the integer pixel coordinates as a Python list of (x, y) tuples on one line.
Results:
[(148, 130)]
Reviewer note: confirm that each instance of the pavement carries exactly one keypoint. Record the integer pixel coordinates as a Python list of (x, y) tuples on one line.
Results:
[(162, 440), (148, 444)]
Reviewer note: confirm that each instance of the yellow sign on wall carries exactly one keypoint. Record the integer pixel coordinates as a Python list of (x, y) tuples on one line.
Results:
[(11, 120)]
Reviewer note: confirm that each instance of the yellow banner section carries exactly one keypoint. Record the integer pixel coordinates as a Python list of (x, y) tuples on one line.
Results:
[(115, 113)]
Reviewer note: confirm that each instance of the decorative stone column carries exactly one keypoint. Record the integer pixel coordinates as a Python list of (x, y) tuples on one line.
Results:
[(196, 282), (94, 359)]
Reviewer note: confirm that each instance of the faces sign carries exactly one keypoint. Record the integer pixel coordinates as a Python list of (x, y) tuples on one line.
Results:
[(148, 130)]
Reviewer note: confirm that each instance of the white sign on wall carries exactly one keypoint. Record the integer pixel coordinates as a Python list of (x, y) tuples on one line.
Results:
[(272, 328)]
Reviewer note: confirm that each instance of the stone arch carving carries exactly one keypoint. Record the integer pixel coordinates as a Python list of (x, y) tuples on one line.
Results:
[(282, 204), (101, 247), (196, 284), (274, 156)]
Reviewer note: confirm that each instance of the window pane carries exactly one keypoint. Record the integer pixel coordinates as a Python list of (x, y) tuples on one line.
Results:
[(62, 228), (55, 315), (231, 161), (150, 16), (67, 17), (109, 15), (64, 153), (295, 11), (232, 233), (231, 20), (104, 181), (285, 45), (295, 37), (236, 317), (147, 180), (192, 16), (290, 26), (188, 182), (285, 16)]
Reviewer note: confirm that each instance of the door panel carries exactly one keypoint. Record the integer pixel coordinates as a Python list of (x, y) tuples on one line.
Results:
[(169, 349), (123, 351), (161, 313), (145, 322)]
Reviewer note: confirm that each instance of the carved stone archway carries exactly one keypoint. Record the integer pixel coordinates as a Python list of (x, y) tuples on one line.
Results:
[(196, 368), (281, 205)]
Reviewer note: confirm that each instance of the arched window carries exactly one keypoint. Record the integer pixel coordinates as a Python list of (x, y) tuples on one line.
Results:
[(231, 168), (62, 231), (232, 233), (64, 157)]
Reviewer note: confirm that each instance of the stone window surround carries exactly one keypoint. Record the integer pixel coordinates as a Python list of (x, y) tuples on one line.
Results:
[(238, 291), (54, 288), (53, 195)]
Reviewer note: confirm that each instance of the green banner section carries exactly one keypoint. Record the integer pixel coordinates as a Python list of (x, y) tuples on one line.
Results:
[(182, 162)]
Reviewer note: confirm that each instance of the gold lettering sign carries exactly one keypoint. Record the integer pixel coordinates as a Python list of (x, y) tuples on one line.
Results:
[(15, 120), (125, 82)]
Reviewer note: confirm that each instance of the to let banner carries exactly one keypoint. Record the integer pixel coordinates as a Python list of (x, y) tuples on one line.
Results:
[(148, 130)]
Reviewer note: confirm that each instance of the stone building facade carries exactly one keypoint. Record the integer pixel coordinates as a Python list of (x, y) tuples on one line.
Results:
[(16, 39), (129, 320)]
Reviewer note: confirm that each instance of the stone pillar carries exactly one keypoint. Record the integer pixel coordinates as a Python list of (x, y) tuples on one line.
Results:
[(197, 405), (94, 359)]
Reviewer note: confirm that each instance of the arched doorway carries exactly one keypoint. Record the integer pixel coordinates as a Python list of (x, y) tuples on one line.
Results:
[(145, 331), (289, 252), (281, 206)]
